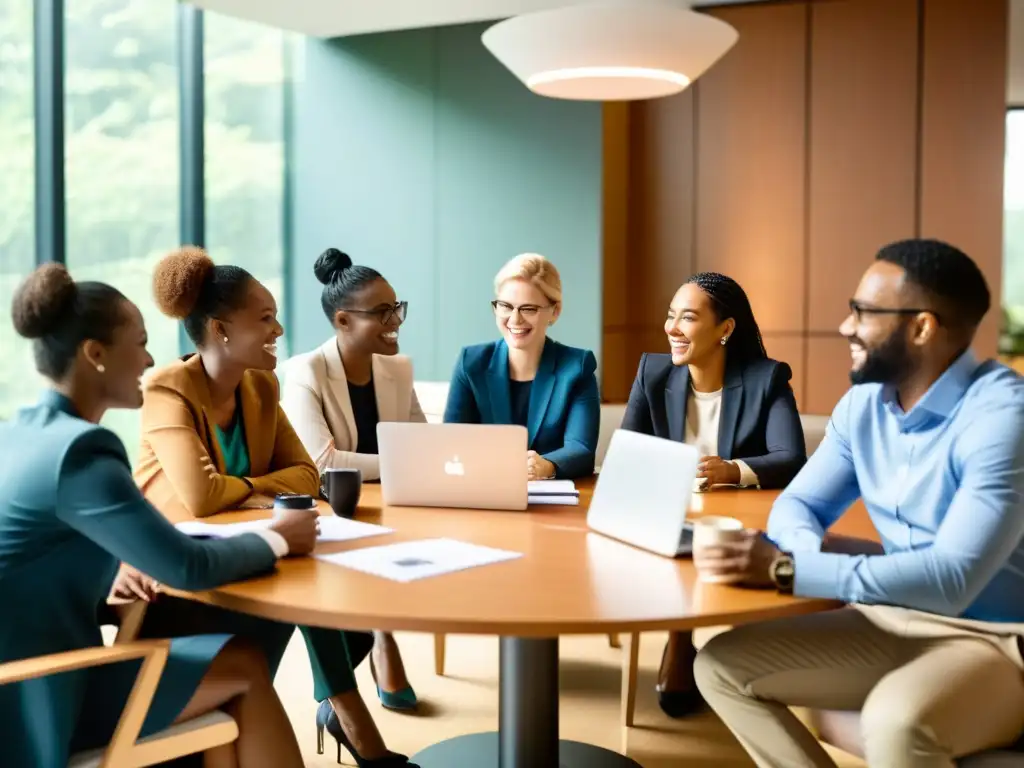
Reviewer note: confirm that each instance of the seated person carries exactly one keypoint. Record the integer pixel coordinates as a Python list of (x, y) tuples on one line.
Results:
[(528, 379), (933, 441), (719, 391), (214, 438), (335, 395), (69, 512)]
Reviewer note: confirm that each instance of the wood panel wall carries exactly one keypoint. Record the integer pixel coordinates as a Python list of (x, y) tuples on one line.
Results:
[(832, 128)]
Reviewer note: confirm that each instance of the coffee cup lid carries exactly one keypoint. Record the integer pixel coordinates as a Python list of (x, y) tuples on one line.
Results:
[(294, 501)]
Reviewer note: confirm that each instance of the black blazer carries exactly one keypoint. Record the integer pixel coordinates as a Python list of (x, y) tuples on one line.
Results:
[(759, 422)]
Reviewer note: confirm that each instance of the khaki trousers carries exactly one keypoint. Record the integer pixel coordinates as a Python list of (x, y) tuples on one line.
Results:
[(929, 689)]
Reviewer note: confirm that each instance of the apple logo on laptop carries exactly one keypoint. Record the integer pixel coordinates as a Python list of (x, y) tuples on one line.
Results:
[(454, 467)]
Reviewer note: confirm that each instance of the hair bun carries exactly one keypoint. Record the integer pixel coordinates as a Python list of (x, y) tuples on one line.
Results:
[(43, 300), (330, 264), (178, 279)]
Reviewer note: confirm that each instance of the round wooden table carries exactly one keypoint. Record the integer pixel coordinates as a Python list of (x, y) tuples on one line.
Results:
[(569, 581)]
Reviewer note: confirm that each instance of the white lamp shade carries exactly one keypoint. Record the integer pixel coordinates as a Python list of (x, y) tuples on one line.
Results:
[(611, 50)]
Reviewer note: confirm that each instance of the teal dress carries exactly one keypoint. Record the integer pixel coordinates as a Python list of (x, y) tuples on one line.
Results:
[(70, 512), (333, 655)]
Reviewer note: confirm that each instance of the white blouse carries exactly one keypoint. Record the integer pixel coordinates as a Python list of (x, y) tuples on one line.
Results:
[(703, 410)]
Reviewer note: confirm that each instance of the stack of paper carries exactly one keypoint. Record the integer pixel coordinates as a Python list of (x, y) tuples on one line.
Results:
[(561, 492), (412, 560), (331, 529)]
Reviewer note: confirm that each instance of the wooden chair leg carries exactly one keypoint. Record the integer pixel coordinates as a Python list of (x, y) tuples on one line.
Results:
[(614, 641), (630, 662), (439, 643)]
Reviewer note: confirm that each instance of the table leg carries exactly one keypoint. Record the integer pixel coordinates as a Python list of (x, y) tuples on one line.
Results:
[(527, 720)]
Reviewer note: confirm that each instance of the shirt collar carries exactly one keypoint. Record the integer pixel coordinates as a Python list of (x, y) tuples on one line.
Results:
[(51, 398), (943, 395)]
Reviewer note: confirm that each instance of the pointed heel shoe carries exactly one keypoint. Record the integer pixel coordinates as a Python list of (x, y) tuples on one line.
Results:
[(327, 719), (403, 700)]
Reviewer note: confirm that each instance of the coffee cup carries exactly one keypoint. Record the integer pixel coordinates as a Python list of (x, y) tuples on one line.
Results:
[(287, 501), (341, 487), (712, 531)]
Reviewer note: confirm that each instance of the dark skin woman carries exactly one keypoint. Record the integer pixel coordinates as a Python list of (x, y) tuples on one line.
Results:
[(717, 390), (90, 344), (249, 454)]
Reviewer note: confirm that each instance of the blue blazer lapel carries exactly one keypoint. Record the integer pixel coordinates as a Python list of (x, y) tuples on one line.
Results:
[(676, 393), (540, 392), (497, 386), (728, 420)]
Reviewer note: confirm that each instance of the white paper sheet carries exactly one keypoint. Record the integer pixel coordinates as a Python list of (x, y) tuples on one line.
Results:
[(332, 529), (411, 560), (554, 500)]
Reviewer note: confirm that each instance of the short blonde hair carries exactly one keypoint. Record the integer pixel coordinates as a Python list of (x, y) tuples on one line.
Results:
[(534, 269)]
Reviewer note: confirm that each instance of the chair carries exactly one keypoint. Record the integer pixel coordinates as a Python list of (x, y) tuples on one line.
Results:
[(209, 733)]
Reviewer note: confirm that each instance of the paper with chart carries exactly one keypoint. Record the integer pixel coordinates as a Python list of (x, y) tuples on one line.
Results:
[(332, 529), (560, 492), (411, 560)]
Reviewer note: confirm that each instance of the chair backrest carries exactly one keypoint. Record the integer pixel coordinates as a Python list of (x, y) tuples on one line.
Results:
[(433, 395)]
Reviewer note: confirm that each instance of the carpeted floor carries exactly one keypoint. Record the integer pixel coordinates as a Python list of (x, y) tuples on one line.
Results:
[(466, 701)]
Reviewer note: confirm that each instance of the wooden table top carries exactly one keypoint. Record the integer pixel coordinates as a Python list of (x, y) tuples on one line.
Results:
[(570, 581)]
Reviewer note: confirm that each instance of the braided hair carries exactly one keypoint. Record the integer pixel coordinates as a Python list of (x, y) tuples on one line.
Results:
[(729, 300)]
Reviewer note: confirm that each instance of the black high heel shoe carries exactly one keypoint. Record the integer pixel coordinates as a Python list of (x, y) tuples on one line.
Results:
[(327, 718)]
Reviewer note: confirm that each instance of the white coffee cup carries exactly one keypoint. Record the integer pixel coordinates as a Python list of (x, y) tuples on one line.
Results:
[(713, 531)]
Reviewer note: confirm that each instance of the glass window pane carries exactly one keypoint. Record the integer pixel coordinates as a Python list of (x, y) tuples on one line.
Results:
[(245, 71), (122, 157), (19, 384)]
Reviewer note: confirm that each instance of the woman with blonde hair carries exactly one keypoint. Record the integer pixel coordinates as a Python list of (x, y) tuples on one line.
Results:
[(529, 379)]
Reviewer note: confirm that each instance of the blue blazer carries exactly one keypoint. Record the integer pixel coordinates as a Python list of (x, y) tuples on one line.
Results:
[(759, 422), (69, 513), (565, 408)]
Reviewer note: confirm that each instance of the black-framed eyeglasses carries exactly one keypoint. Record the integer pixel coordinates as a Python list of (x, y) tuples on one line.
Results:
[(399, 309), (859, 309), (503, 309)]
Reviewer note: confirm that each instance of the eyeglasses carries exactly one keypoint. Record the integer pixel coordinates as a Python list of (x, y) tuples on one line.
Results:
[(504, 310), (859, 309), (399, 309)]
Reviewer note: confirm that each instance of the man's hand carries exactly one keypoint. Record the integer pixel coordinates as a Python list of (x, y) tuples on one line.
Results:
[(748, 559), (537, 467), (299, 527), (130, 585), (717, 471)]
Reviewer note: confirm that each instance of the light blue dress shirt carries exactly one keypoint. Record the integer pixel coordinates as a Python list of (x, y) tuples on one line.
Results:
[(943, 485)]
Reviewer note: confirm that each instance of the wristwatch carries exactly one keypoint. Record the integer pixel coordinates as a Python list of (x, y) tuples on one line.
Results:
[(782, 573)]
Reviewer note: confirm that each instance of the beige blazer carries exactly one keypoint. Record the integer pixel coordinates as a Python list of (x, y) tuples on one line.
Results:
[(315, 397)]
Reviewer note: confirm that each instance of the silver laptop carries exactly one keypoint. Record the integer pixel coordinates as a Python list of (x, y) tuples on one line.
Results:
[(643, 493), (473, 466)]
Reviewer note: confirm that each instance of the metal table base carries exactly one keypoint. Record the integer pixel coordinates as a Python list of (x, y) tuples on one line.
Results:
[(527, 735)]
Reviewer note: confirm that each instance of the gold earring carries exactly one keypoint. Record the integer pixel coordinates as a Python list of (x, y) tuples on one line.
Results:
[(101, 368)]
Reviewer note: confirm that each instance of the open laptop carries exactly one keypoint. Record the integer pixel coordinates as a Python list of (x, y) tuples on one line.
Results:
[(473, 466), (643, 493)]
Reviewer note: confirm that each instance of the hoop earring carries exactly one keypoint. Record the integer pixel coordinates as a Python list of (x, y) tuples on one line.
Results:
[(725, 339)]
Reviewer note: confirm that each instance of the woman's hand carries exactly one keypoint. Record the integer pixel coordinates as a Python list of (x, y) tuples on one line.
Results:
[(537, 467), (257, 501), (717, 471), (130, 585)]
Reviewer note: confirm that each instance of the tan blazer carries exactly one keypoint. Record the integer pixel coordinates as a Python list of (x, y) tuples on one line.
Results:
[(315, 397), (178, 441)]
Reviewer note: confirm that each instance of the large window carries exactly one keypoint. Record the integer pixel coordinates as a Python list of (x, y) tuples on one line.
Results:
[(245, 153), (18, 384), (122, 155), (1012, 341)]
